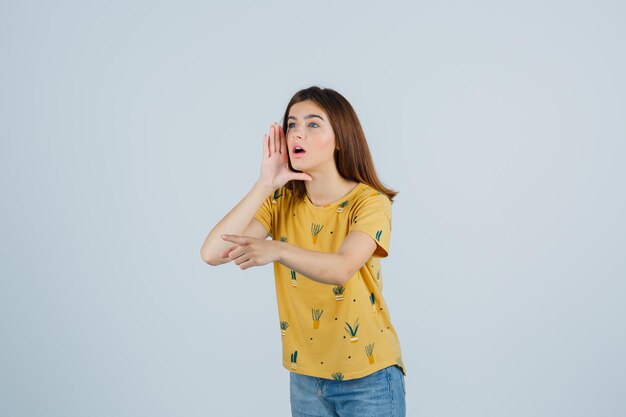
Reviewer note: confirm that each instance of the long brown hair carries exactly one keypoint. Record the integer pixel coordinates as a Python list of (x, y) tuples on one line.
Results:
[(353, 158)]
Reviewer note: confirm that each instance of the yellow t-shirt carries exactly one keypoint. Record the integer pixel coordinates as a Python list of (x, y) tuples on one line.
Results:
[(327, 331)]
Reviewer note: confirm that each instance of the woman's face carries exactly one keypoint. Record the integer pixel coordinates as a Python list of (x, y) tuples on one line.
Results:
[(309, 127)]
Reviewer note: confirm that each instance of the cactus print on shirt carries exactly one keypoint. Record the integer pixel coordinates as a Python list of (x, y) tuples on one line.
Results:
[(330, 331)]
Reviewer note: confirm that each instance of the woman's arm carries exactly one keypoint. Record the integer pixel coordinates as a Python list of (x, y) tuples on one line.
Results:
[(323, 267), (329, 268), (235, 222)]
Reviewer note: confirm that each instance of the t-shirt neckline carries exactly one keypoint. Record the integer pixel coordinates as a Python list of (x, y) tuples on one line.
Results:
[(334, 203)]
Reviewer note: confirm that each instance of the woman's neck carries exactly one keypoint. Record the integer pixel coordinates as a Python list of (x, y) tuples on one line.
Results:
[(325, 190)]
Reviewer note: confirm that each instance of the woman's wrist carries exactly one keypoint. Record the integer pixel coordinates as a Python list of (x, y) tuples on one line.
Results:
[(266, 189), (280, 247)]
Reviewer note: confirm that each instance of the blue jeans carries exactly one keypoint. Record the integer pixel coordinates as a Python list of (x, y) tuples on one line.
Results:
[(379, 394)]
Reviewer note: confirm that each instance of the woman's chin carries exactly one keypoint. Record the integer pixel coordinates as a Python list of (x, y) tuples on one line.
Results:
[(296, 163), (301, 165)]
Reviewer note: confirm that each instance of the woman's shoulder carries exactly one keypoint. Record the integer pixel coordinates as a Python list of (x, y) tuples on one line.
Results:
[(370, 194)]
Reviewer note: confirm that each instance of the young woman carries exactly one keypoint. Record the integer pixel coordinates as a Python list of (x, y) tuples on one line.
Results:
[(329, 216)]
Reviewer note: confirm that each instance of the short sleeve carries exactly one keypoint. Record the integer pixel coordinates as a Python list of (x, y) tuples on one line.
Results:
[(264, 214), (373, 216)]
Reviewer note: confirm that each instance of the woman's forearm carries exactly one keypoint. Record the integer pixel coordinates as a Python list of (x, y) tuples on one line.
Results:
[(234, 222), (323, 267)]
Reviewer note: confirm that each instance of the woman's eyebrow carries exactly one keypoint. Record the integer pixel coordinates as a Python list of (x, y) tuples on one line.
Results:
[(306, 117)]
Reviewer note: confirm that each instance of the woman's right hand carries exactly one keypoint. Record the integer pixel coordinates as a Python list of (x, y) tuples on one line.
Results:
[(275, 170)]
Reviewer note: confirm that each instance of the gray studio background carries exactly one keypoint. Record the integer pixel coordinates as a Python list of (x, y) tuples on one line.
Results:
[(128, 130)]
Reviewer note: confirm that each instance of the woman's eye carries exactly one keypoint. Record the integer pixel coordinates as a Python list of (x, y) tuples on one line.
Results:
[(290, 125)]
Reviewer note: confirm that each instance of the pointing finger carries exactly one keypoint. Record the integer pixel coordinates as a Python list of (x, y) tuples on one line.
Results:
[(234, 238)]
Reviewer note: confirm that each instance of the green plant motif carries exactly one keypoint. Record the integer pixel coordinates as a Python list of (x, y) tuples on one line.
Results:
[(339, 292), (283, 327), (294, 281), (337, 376), (284, 239), (316, 313), (294, 358), (342, 205), (276, 196), (380, 232), (378, 276), (316, 317), (315, 231), (373, 301), (369, 351), (353, 330)]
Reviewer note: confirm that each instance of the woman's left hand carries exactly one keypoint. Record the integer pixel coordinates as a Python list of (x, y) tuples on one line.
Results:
[(250, 251)]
